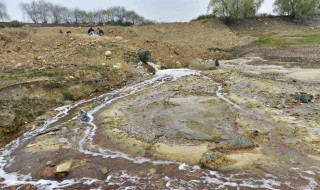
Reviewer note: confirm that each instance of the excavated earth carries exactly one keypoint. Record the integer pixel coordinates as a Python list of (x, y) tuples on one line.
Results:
[(251, 123)]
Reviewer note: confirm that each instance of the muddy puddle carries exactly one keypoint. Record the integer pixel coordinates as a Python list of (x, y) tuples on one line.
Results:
[(181, 129)]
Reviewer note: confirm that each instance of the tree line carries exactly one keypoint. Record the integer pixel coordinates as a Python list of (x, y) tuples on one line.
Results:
[(3, 11), (42, 11), (235, 9)]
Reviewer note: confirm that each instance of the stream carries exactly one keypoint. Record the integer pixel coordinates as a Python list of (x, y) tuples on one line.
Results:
[(184, 176)]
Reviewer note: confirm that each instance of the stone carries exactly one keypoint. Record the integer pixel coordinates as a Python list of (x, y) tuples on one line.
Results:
[(144, 55), (198, 64), (306, 98), (7, 121), (50, 164), (117, 66), (63, 170), (83, 116), (153, 170), (303, 97), (105, 171), (41, 57), (236, 141), (108, 54), (214, 159)]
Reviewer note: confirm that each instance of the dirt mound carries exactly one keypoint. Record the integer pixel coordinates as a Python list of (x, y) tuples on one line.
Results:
[(174, 44), (263, 24)]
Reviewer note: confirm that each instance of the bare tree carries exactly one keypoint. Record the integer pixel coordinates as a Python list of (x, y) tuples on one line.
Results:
[(76, 15), (67, 15), (118, 13), (57, 12), (31, 11), (133, 17), (3, 11), (44, 11)]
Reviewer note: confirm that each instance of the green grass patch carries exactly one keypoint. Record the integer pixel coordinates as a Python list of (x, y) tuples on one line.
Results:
[(24, 99), (94, 68), (67, 96), (274, 40)]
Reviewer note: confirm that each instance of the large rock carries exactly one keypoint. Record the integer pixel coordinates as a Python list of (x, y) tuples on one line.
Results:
[(62, 170), (108, 54), (144, 55), (214, 160), (235, 141), (7, 121), (198, 64), (304, 97)]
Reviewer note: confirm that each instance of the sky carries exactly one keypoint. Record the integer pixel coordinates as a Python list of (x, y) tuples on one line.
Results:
[(158, 10)]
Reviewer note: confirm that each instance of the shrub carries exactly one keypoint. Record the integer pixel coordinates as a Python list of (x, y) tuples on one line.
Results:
[(202, 17), (15, 24), (24, 99), (296, 8), (67, 96), (95, 68)]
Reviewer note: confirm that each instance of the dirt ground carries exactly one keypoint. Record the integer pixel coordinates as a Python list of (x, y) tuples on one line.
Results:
[(254, 120)]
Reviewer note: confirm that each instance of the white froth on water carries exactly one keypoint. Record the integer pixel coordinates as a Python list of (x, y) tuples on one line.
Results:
[(86, 146)]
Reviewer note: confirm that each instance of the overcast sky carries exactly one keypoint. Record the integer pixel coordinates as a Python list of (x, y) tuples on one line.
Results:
[(159, 10)]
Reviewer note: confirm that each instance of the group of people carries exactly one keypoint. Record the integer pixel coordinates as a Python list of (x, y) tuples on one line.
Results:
[(91, 32)]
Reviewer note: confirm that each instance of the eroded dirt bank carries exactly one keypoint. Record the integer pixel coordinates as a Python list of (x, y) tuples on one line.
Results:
[(159, 133), (42, 69), (252, 123)]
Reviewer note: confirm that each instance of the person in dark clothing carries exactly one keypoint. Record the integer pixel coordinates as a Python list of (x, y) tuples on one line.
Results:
[(91, 31), (100, 32)]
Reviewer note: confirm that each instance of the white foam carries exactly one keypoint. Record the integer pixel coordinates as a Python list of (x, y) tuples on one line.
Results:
[(86, 146)]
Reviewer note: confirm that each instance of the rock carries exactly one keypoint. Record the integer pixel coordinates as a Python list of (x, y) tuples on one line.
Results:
[(304, 97), (41, 57), (83, 116), (63, 170), (7, 121), (280, 106), (163, 67), (128, 90), (214, 159), (198, 64), (144, 55), (217, 64), (108, 54), (150, 68), (117, 66), (50, 164), (236, 141), (153, 170), (105, 171)]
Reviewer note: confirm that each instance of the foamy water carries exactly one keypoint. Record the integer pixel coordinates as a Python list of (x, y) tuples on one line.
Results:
[(86, 146)]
